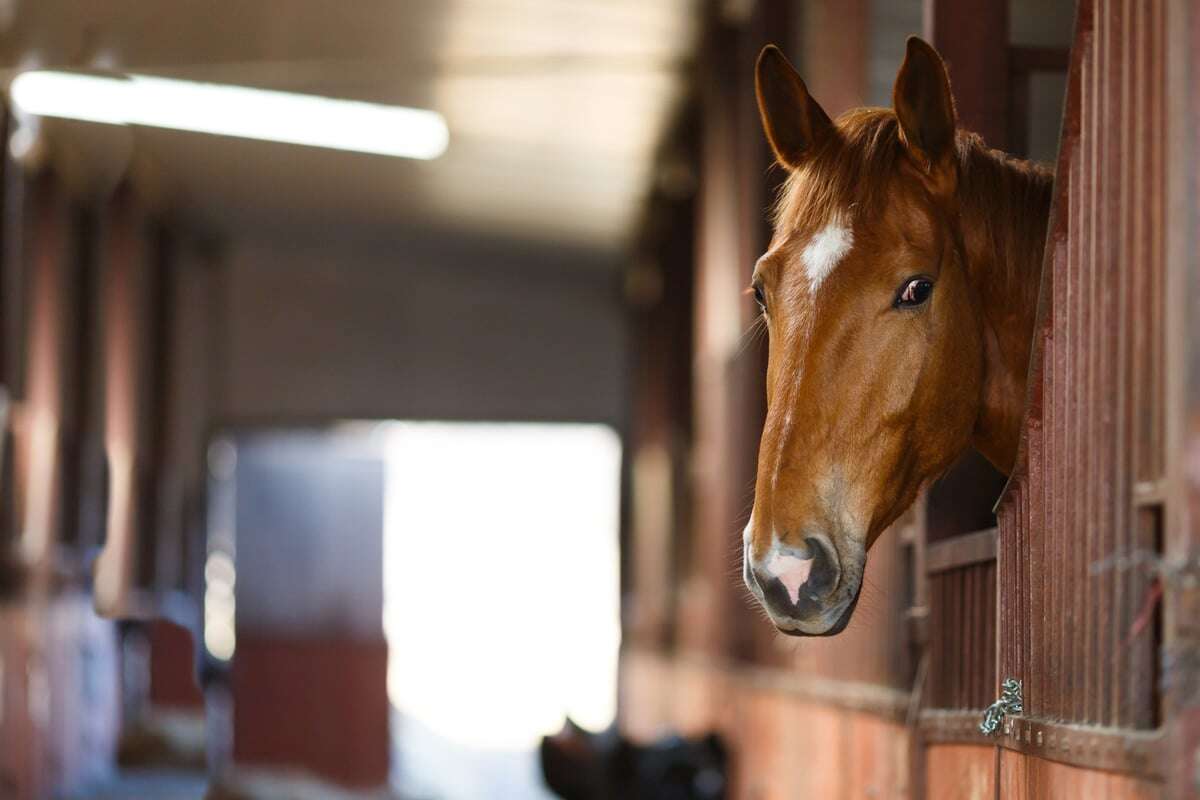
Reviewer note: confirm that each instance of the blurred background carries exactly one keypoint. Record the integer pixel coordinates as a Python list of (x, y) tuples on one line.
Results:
[(358, 430)]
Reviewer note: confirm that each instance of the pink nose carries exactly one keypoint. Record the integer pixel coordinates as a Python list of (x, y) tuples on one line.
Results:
[(794, 581), (790, 570)]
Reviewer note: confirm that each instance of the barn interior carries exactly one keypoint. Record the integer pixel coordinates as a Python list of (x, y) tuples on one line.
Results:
[(346, 465)]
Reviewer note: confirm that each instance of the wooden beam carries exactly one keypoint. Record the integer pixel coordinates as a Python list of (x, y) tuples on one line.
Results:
[(961, 551), (1124, 750)]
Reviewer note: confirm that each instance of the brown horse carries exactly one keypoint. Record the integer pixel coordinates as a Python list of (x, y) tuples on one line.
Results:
[(899, 292)]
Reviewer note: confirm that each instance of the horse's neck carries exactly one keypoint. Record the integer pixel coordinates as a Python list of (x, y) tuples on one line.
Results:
[(1004, 209)]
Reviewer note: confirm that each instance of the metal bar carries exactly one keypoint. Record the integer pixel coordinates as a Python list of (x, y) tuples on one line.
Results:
[(1104, 354), (954, 580), (1122, 390), (1027, 567), (1079, 403), (1092, 398), (970, 635), (990, 680)]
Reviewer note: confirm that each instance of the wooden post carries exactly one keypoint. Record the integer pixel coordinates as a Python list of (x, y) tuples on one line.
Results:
[(1181, 634), (835, 36), (972, 36), (126, 564)]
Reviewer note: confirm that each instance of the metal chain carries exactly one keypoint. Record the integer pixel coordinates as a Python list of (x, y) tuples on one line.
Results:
[(1009, 703)]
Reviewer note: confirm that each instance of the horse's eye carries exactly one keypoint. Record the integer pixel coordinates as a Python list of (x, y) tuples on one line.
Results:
[(914, 292), (760, 298)]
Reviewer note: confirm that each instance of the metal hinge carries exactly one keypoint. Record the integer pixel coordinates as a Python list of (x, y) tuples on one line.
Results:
[(1009, 703)]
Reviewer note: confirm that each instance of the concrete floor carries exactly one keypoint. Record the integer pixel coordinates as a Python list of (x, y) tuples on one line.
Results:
[(149, 784)]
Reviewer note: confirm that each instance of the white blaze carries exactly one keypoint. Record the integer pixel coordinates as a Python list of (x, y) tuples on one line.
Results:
[(825, 250)]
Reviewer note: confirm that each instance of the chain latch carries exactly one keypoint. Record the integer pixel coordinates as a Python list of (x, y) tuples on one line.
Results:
[(1009, 703)]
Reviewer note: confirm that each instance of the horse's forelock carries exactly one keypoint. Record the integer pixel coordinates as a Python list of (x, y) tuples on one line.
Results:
[(849, 174)]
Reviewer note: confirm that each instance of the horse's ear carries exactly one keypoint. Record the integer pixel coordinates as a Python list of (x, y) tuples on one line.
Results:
[(792, 120), (925, 108)]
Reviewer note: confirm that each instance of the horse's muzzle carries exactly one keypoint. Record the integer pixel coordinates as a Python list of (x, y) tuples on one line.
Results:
[(797, 587)]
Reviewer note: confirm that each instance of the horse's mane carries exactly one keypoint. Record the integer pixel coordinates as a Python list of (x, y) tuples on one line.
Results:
[(1005, 198)]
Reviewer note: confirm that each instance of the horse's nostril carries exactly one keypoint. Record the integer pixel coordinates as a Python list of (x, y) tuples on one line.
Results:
[(794, 582), (824, 576)]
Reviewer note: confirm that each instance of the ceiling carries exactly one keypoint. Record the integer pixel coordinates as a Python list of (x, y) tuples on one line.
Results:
[(554, 107)]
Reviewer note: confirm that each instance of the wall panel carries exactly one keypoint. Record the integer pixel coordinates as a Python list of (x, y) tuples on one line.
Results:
[(1025, 777), (792, 737), (1078, 524)]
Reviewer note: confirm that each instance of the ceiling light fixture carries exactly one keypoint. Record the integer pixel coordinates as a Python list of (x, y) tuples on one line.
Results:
[(233, 111)]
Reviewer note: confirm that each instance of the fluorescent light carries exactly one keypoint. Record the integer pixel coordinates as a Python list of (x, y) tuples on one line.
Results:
[(233, 111), (75, 96)]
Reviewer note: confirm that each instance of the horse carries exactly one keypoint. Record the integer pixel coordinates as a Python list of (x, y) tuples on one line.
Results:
[(580, 765), (899, 291)]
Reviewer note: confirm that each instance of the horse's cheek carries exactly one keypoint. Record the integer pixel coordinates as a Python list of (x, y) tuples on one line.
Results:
[(966, 379)]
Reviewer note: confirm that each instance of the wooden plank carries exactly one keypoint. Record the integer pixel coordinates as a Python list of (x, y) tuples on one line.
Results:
[(961, 551), (960, 772), (1024, 777)]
